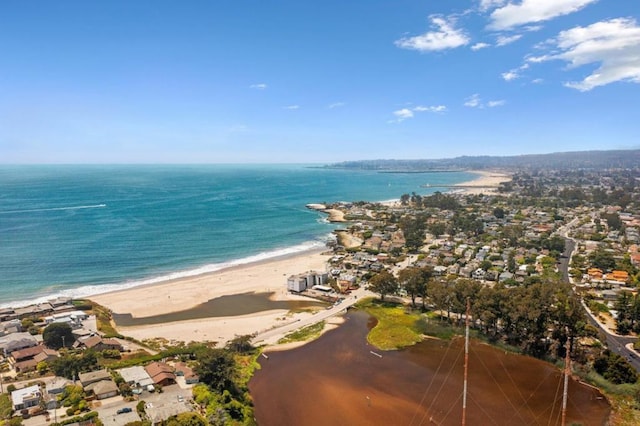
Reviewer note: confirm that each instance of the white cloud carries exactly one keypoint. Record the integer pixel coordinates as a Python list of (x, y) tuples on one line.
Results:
[(292, 107), (403, 114), (613, 44), (472, 101), (527, 11), (490, 4), (444, 36), (258, 86), (336, 105), (493, 104), (503, 40), (435, 108), (537, 81), (479, 46), (510, 75)]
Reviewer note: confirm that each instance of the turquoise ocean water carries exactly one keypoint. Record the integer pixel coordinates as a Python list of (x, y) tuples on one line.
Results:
[(82, 230)]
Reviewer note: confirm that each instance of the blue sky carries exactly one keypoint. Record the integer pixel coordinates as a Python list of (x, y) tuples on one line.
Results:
[(253, 81)]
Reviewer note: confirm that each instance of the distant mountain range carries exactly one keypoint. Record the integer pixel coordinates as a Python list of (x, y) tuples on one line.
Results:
[(615, 159)]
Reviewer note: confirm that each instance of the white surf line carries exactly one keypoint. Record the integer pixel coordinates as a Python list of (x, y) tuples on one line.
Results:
[(51, 209)]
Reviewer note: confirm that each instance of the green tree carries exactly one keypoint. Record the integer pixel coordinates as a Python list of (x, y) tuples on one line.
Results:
[(57, 335), (498, 212), (6, 406), (383, 283), (186, 419), (413, 229), (602, 259), (217, 369), (241, 344), (414, 281), (69, 365)]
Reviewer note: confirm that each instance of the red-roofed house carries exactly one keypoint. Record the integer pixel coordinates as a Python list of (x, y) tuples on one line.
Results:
[(27, 359), (161, 373)]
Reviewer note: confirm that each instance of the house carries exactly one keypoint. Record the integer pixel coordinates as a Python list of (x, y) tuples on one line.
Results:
[(161, 373), (73, 318), (102, 389), (99, 383), (93, 376), (190, 377), (136, 376), (99, 344), (478, 274), (57, 385), (622, 276), (505, 276), (26, 397), (595, 273), (11, 326), (28, 359), (439, 270), (16, 341)]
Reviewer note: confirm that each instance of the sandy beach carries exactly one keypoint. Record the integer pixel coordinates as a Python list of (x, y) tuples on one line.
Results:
[(487, 182), (268, 276)]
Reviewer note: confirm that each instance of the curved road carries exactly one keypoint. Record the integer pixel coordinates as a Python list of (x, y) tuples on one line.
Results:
[(621, 345)]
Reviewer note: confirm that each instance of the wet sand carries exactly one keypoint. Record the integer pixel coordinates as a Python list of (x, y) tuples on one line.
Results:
[(337, 380)]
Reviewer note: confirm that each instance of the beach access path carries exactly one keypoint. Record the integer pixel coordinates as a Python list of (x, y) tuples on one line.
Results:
[(271, 337)]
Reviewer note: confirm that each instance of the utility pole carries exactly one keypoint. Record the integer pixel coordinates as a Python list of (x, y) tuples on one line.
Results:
[(567, 371), (466, 363)]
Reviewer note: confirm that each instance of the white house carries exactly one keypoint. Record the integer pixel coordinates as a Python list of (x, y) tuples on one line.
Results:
[(26, 397), (136, 376)]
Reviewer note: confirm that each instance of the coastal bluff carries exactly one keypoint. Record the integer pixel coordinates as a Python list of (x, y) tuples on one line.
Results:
[(334, 215)]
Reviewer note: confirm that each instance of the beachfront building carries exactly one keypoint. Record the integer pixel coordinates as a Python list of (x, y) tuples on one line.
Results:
[(73, 318), (26, 397), (301, 282), (16, 341), (11, 326)]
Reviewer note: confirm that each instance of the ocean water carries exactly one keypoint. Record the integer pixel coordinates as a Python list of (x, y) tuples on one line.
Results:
[(82, 230)]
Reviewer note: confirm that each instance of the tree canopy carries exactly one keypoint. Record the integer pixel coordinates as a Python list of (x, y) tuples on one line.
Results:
[(383, 283), (57, 335)]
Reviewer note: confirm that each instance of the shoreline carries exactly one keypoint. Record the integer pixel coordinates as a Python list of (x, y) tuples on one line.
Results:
[(183, 294), (487, 182), (88, 290)]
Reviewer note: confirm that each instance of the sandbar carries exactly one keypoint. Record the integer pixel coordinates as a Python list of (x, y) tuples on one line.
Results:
[(268, 276)]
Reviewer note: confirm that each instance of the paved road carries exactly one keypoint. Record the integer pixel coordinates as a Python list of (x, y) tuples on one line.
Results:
[(621, 345), (272, 336)]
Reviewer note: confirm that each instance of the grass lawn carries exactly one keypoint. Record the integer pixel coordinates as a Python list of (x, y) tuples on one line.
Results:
[(396, 328), (307, 333)]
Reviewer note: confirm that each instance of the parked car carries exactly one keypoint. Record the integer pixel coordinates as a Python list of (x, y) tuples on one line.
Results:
[(123, 410)]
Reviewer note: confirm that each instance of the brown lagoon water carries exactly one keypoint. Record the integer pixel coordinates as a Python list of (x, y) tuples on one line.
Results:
[(336, 380)]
